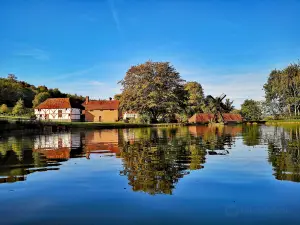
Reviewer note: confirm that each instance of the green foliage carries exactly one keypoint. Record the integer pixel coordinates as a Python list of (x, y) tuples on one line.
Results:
[(195, 98), (217, 107), (39, 98), (282, 91), (19, 108), (144, 119), (4, 109), (117, 96), (251, 110), (229, 107), (153, 88), (11, 90), (182, 118)]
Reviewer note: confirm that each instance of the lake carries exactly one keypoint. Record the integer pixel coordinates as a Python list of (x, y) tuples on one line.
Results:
[(188, 175)]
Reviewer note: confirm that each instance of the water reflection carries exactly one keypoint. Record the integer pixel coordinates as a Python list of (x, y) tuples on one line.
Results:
[(153, 160), (15, 162), (284, 153), (154, 165)]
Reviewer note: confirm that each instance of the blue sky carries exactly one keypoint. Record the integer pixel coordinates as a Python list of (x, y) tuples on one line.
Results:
[(86, 47)]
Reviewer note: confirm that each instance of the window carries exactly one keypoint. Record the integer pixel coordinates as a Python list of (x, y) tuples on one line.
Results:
[(59, 113)]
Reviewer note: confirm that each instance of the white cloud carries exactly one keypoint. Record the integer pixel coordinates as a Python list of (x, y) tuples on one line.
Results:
[(96, 83), (35, 53), (73, 74), (237, 87), (114, 14)]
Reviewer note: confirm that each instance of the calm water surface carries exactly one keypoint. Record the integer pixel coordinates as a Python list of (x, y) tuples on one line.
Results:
[(188, 175)]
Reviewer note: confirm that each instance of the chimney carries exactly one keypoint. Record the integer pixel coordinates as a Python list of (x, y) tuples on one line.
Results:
[(110, 98), (87, 99)]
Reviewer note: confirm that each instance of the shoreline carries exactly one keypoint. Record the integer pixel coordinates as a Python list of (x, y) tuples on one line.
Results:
[(282, 122), (8, 124)]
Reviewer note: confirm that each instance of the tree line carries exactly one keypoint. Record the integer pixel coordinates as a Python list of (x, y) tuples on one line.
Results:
[(18, 97), (158, 93), (282, 96)]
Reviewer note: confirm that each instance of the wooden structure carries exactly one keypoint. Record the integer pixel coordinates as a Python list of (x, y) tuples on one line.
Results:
[(205, 118), (59, 109)]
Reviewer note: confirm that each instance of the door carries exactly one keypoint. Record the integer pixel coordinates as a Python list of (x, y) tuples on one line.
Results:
[(47, 117), (100, 118)]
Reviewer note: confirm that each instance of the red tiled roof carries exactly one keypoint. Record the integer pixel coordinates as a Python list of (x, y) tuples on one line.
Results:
[(102, 104), (58, 103), (228, 117), (207, 117), (201, 118)]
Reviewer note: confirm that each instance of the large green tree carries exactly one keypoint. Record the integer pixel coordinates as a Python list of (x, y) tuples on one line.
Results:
[(282, 90), (195, 98), (251, 110), (153, 88)]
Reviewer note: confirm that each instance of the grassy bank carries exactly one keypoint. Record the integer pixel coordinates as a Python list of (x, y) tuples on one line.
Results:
[(283, 121), (24, 123), (94, 124)]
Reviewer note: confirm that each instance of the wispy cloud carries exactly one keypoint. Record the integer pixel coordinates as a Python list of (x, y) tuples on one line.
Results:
[(114, 13), (34, 53), (237, 86), (96, 83), (94, 89), (77, 73)]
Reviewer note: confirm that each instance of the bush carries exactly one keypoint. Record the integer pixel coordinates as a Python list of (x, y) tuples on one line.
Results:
[(4, 109), (182, 118), (19, 108)]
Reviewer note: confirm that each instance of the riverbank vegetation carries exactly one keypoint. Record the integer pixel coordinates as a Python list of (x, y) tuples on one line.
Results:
[(17, 98), (158, 93)]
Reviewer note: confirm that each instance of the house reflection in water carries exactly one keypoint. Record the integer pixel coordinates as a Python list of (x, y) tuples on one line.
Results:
[(104, 142), (216, 139), (57, 146), (17, 159)]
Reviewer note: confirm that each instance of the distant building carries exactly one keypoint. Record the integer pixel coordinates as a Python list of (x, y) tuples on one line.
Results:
[(59, 109), (208, 117), (101, 110), (130, 115), (201, 118)]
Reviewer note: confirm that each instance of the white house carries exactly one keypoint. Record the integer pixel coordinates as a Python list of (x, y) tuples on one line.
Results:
[(58, 109), (130, 115)]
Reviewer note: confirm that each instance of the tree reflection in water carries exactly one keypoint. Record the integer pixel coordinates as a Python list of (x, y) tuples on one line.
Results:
[(284, 153), (155, 160)]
